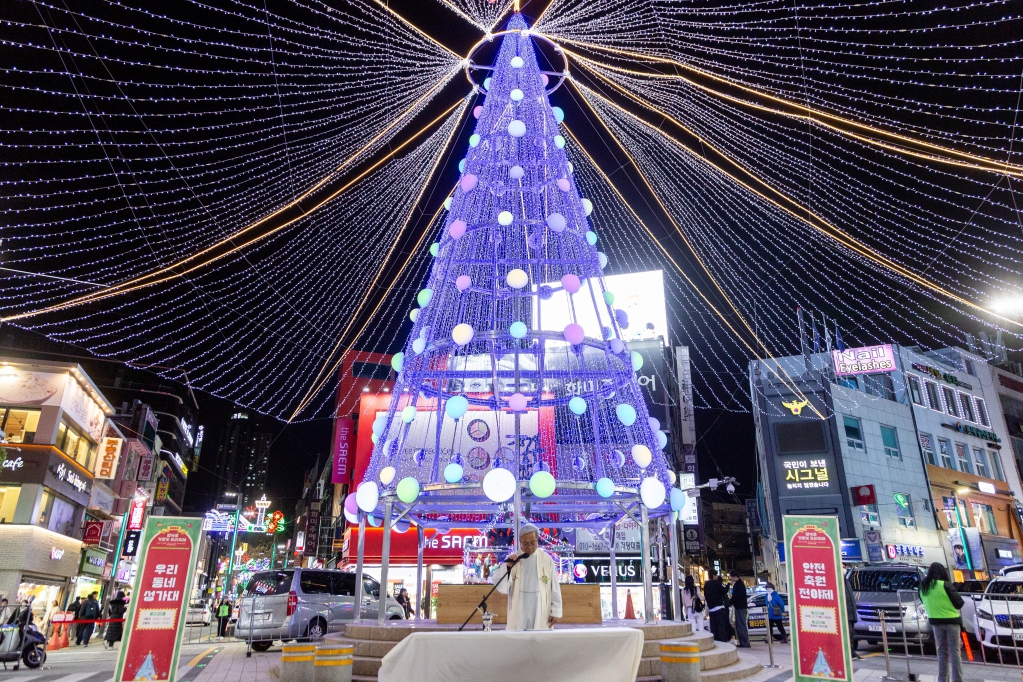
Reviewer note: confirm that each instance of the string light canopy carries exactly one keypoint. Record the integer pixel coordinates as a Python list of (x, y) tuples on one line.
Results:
[(228, 188)]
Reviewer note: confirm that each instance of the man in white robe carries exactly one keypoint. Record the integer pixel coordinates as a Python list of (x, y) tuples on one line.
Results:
[(534, 595)]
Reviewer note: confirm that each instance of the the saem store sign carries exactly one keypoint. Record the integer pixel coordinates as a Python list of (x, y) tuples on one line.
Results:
[(864, 360)]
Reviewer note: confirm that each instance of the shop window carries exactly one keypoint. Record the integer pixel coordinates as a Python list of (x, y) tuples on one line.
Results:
[(945, 450), (879, 385), (8, 502), (891, 441), (20, 425), (56, 514), (933, 399), (984, 518), (75, 445), (904, 510), (980, 462), (849, 382), (914, 390), (927, 447), (996, 464), (982, 412), (853, 433), (966, 400), (950, 401), (949, 507), (963, 458)]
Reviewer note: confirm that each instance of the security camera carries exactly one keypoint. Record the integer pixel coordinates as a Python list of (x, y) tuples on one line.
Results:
[(730, 488)]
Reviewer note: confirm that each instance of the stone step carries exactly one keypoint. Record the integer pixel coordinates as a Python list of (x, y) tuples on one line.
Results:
[(719, 656), (369, 648), (745, 666), (368, 667)]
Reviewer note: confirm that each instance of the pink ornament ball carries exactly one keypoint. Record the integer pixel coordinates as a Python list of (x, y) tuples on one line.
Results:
[(463, 282), (574, 334), (563, 184), (457, 229), (351, 506), (468, 182), (571, 283), (477, 111), (517, 402), (544, 79)]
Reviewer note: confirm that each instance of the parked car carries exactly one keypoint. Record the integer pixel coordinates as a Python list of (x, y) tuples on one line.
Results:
[(998, 613), (756, 618), (198, 613), (305, 603), (970, 591), (893, 589)]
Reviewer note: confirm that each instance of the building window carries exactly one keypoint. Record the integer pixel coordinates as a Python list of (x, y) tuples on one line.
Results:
[(20, 425), (927, 446), (945, 450), (891, 441), (984, 518), (853, 433), (75, 445), (982, 412), (8, 502), (963, 458), (950, 401), (879, 385), (56, 513), (849, 382), (969, 366), (996, 464), (967, 402), (933, 399), (914, 390), (904, 510), (980, 461)]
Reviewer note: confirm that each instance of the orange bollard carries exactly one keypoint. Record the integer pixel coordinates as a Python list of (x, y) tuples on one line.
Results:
[(966, 643), (65, 639), (54, 642), (630, 611)]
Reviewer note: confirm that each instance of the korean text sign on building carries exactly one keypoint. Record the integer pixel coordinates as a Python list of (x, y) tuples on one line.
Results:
[(865, 360), (155, 621), (820, 642)]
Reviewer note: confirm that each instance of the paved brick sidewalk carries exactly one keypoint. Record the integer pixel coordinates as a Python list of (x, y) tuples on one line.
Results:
[(231, 665)]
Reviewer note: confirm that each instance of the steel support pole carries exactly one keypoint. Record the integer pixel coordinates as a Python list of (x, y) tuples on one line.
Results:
[(385, 560), (357, 611), (676, 596), (614, 574), (230, 558), (420, 531), (648, 578)]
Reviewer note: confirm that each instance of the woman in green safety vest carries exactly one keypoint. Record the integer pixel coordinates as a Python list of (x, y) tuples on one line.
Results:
[(942, 603)]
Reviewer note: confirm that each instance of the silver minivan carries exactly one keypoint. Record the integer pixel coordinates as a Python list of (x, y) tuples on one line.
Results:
[(304, 603)]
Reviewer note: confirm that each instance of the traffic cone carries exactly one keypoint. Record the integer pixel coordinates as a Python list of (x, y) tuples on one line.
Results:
[(54, 642), (65, 639), (630, 612)]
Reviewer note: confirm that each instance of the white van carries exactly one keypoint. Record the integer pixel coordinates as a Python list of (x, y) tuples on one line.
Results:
[(998, 613)]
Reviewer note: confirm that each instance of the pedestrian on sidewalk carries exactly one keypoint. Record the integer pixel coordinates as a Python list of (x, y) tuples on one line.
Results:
[(223, 617), (692, 600), (717, 608), (48, 618), (942, 603), (775, 608), (739, 602), (91, 611), (851, 617), (75, 609), (115, 609)]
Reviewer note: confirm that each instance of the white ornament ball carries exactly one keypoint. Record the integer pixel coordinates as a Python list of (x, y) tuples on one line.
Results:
[(556, 222), (419, 345), (516, 172), (367, 496), (516, 128), (517, 62), (652, 492), (641, 455), (517, 95), (498, 485), (447, 204), (387, 475), (462, 334), (505, 218), (587, 206), (517, 278)]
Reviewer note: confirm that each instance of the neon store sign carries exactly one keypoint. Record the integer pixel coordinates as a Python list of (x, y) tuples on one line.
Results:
[(801, 474)]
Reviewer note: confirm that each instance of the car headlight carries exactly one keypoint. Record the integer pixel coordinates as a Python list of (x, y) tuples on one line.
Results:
[(984, 615)]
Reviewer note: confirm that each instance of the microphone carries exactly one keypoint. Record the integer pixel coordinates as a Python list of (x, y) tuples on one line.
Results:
[(515, 560)]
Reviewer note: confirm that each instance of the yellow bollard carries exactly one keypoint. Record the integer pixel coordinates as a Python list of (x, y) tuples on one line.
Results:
[(297, 662), (680, 662), (333, 663)]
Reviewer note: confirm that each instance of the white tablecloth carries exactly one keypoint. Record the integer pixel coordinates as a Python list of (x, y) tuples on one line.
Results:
[(579, 654)]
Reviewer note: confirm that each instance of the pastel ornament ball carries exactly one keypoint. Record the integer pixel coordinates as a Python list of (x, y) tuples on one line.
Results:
[(517, 402), (434, 249), (516, 95), (463, 282), (419, 345), (571, 283), (474, 140), (462, 334), (408, 490), (609, 298), (544, 80), (486, 84), (622, 318), (477, 111), (424, 297), (637, 361), (499, 485), (564, 185), (457, 228), (517, 128), (677, 499), (517, 62), (605, 487), (468, 182), (626, 414), (373, 521), (542, 484), (456, 406), (559, 114), (453, 473), (618, 457), (577, 405), (602, 259), (447, 204), (574, 333), (397, 362), (408, 414), (505, 218), (517, 278), (518, 330), (654, 423), (556, 222), (367, 496), (516, 172), (461, 166), (652, 492), (662, 439), (587, 206), (351, 509), (591, 237), (672, 478), (379, 425), (387, 475), (414, 314), (559, 141), (641, 455), (617, 346)]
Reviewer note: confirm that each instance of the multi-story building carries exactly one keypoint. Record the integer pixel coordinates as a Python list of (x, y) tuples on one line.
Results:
[(900, 445), (1008, 386), (241, 457)]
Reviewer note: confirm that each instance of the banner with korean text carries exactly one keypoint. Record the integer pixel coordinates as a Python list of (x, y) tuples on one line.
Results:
[(156, 616), (820, 626)]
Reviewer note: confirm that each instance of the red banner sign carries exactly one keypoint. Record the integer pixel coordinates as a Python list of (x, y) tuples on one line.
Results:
[(817, 595), (93, 532), (137, 513), (344, 450)]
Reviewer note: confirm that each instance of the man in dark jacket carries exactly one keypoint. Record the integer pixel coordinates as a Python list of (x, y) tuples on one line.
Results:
[(90, 611), (716, 595), (740, 606), (75, 608), (115, 630)]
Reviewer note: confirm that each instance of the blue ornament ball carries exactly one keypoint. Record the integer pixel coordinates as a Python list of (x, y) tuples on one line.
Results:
[(456, 406), (518, 330), (577, 405), (453, 473), (605, 487)]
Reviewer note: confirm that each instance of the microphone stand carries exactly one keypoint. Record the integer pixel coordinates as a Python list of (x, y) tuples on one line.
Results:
[(482, 606)]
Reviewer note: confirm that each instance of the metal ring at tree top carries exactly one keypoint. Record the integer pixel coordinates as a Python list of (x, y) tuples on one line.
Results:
[(471, 66)]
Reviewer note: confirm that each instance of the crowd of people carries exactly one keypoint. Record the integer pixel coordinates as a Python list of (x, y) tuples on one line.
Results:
[(86, 615)]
